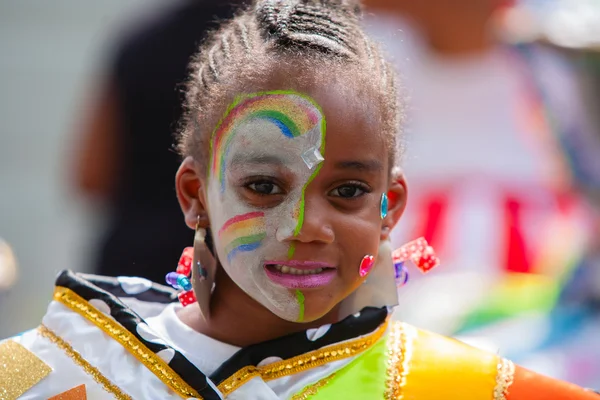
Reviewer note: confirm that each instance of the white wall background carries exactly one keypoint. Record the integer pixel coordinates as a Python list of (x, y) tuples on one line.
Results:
[(51, 55)]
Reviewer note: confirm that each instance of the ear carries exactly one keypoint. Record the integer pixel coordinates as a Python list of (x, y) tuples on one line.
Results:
[(191, 190), (397, 196)]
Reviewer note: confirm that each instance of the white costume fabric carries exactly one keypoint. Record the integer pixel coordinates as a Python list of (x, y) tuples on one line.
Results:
[(121, 338)]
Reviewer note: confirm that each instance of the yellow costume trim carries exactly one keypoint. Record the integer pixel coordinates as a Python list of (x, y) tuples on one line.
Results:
[(504, 379), (132, 344), (86, 366), (20, 370), (302, 362), (460, 372), (400, 345), (313, 389)]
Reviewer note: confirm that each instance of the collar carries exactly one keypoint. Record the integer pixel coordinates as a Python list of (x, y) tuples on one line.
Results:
[(353, 335)]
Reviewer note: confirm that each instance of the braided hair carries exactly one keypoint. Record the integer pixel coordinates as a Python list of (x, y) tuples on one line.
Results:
[(296, 38)]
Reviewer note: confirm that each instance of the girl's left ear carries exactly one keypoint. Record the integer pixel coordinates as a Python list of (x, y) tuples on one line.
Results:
[(397, 195)]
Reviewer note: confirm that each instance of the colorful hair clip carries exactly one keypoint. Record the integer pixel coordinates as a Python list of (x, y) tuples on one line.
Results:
[(420, 253), (180, 279), (402, 275)]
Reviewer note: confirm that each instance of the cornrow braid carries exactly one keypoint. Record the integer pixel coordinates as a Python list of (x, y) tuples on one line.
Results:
[(285, 34)]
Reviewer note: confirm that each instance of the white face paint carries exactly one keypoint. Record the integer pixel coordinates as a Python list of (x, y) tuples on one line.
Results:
[(255, 149)]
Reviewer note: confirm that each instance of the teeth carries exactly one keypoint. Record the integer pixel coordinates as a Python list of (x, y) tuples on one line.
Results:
[(294, 271)]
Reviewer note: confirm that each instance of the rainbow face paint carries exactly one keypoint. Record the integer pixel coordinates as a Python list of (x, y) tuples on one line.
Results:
[(243, 233), (275, 136), (293, 114)]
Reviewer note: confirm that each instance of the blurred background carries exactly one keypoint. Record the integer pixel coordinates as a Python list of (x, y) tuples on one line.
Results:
[(502, 157), (52, 57)]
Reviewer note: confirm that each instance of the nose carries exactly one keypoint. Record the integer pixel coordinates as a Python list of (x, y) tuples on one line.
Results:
[(312, 225)]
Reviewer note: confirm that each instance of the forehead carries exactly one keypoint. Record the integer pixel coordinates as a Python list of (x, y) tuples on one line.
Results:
[(349, 117)]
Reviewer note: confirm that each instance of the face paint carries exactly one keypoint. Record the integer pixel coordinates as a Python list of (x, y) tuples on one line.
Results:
[(300, 297), (282, 109), (274, 137), (243, 233)]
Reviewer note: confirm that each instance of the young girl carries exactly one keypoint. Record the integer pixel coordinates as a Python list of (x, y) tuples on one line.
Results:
[(288, 178)]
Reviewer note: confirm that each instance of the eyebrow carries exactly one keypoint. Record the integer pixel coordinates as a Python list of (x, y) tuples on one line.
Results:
[(366, 166)]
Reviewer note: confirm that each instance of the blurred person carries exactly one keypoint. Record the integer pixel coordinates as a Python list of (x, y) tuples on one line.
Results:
[(289, 148), (125, 158), (490, 190), (560, 46)]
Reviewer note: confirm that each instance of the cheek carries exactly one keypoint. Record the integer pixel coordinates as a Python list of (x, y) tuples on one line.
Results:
[(242, 234), (359, 237)]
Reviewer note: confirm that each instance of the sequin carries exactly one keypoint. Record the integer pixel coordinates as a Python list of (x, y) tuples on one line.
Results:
[(384, 206), (400, 345), (312, 157), (366, 265), (20, 370), (504, 379), (77, 393)]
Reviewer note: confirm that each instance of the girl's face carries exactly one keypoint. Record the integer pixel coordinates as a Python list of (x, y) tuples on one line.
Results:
[(293, 197)]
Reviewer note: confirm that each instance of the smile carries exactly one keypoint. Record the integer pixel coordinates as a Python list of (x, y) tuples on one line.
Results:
[(300, 274)]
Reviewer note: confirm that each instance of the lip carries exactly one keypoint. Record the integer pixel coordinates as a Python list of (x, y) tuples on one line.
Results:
[(301, 281)]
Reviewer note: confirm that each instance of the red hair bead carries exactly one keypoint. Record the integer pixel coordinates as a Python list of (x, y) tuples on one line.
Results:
[(187, 298), (184, 267)]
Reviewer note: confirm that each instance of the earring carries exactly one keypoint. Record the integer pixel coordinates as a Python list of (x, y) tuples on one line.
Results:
[(203, 273), (196, 283)]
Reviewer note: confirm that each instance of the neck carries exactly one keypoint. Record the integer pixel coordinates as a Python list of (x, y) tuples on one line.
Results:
[(239, 320)]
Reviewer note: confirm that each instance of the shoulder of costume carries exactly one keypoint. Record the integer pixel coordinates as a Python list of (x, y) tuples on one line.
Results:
[(425, 365), (91, 336)]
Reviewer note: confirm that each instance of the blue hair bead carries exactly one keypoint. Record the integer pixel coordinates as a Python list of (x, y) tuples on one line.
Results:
[(184, 283)]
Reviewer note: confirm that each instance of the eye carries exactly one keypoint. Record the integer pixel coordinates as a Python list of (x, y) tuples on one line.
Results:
[(264, 188), (349, 191)]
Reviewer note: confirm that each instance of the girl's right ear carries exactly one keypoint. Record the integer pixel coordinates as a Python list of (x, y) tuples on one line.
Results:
[(190, 187)]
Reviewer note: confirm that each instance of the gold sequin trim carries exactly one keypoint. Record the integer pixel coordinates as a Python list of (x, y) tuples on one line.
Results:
[(303, 362), (400, 346), (504, 379), (86, 366), (313, 389), (134, 346)]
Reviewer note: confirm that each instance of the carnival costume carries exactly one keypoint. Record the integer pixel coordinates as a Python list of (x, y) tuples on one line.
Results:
[(118, 338)]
